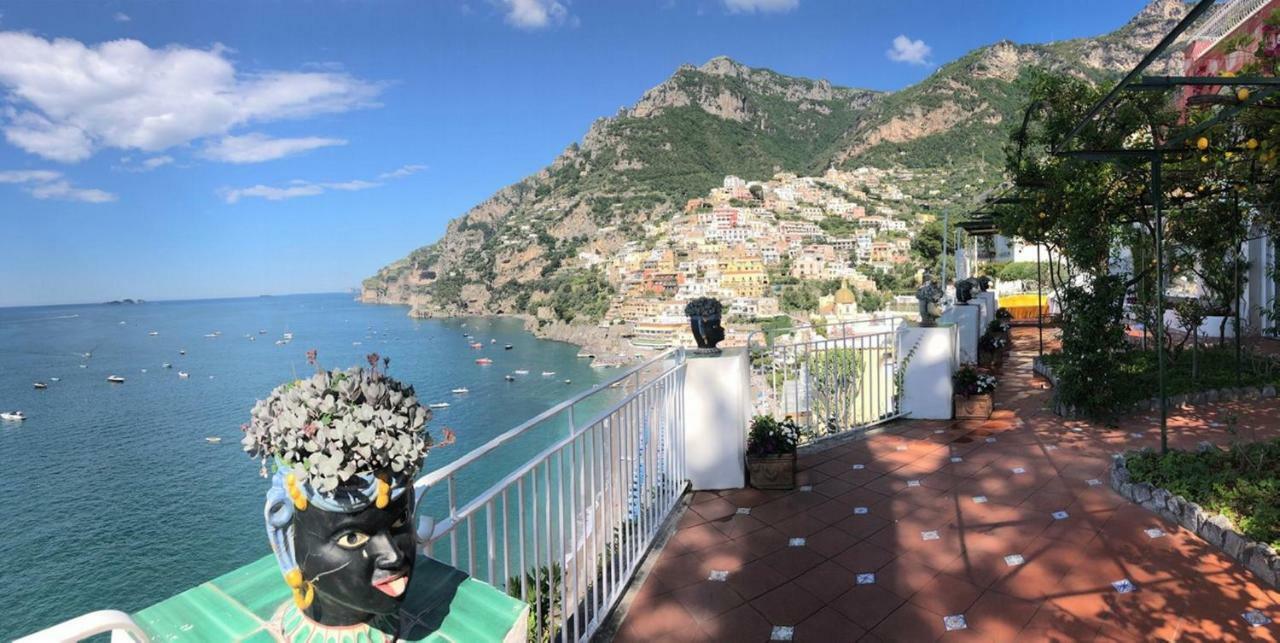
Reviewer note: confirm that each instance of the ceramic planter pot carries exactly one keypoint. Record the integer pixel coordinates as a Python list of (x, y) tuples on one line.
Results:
[(972, 407), (772, 471), (347, 555)]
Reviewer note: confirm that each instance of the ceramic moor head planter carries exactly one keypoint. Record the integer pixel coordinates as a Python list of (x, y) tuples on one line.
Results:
[(345, 446), (704, 320)]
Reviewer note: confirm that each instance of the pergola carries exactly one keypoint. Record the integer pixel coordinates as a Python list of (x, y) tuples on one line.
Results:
[(1175, 148)]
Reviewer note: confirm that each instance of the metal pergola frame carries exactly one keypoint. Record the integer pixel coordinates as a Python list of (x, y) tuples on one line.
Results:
[(1156, 155)]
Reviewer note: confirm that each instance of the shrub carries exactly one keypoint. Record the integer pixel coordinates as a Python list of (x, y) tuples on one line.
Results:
[(769, 436), (968, 381)]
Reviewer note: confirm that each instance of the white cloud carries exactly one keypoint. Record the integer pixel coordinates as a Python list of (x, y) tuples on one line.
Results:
[(157, 161), (301, 188), (68, 100), (401, 172), (48, 184), (256, 148), (762, 6), (122, 17), (906, 50), (536, 14)]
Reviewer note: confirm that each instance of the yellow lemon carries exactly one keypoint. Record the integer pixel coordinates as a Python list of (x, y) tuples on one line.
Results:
[(1251, 144), (1242, 94), (1204, 159), (1202, 143)]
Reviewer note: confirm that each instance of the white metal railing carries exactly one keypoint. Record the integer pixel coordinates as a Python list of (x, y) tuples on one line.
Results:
[(566, 530), (829, 378)]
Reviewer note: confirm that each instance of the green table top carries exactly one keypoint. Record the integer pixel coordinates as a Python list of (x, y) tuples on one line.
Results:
[(441, 604)]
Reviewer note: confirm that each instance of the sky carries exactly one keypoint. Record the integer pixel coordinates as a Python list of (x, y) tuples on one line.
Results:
[(197, 149)]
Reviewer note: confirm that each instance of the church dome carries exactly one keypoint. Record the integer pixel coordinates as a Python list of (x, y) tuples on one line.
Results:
[(844, 295)]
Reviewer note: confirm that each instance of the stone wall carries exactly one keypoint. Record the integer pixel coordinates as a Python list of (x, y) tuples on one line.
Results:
[(1215, 529)]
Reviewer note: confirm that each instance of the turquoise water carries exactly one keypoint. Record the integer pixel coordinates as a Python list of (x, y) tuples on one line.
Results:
[(111, 496)]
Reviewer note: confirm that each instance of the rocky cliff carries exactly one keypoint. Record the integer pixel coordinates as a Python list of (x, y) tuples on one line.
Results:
[(531, 247)]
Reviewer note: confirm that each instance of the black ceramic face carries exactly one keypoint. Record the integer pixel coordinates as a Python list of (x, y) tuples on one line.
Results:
[(359, 563)]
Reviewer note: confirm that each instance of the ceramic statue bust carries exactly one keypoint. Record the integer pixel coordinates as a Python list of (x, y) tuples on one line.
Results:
[(929, 295), (346, 446), (704, 321), (964, 291)]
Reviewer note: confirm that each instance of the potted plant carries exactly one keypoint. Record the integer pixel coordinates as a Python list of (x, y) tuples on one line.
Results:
[(1003, 314), (990, 350), (972, 393), (1000, 329), (704, 321), (771, 452), (343, 447)]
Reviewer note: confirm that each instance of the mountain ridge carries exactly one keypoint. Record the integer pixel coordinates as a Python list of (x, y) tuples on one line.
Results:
[(520, 250)]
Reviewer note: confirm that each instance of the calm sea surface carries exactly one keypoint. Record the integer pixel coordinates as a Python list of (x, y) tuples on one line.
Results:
[(111, 496)]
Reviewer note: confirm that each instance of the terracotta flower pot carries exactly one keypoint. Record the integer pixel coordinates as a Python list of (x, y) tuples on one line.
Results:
[(972, 407), (772, 471)]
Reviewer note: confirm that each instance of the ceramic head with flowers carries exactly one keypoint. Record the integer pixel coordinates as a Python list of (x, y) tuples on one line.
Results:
[(345, 446)]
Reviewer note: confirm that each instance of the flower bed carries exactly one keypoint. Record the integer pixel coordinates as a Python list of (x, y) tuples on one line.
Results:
[(1229, 498)]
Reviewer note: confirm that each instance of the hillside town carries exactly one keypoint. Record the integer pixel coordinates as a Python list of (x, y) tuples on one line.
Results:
[(743, 240)]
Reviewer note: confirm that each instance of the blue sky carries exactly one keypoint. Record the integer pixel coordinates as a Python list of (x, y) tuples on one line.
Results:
[(170, 150)]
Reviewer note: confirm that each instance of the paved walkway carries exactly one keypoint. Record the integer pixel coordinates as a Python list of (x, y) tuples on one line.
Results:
[(1005, 527)]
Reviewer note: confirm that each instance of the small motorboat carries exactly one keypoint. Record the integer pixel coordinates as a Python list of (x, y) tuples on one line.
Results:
[(262, 331), (213, 440), (252, 338), (154, 333), (84, 366), (548, 373), (55, 379), (521, 371), (477, 345), (144, 370), (356, 343), (493, 341), (210, 335), (281, 342), (40, 385), (183, 375), (182, 351), (438, 405), (288, 335), (568, 381), (15, 416), (166, 365), (115, 379), (460, 391), (484, 361), (509, 377), (507, 347)]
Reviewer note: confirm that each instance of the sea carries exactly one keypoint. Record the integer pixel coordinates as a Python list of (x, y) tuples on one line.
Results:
[(111, 495)]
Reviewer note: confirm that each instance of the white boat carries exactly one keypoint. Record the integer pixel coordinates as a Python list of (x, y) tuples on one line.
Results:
[(55, 379), (40, 385), (182, 351), (493, 341), (144, 370), (262, 331), (183, 375), (16, 416), (252, 338), (288, 335), (281, 342), (509, 378), (356, 343), (166, 365), (460, 391), (154, 333), (521, 371), (568, 381), (115, 379), (438, 405), (84, 366), (548, 373), (210, 335), (213, 440)]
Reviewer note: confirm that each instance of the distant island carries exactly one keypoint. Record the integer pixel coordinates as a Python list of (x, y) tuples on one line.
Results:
[(117, 302)]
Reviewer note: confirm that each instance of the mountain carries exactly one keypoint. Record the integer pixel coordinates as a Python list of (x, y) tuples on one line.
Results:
[(522, 250)]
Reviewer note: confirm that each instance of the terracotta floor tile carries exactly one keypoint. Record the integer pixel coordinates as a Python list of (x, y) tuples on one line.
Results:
[(743, 623), (996, 618), (864, 557), (910, 623), (757, 578), (737, 525), (830, 542), (707, 600), (827, 581), (828, 624), (946, 595), (867, 605), (905, 576), (788, 604)]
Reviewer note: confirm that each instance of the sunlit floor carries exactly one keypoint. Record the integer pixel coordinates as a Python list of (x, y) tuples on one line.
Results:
[(993, 531)]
